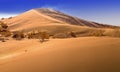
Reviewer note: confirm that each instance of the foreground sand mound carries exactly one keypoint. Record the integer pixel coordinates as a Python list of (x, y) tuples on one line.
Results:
[(86, 54)]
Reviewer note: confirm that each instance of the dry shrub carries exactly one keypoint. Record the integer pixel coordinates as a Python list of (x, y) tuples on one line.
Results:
[(3, 25), (61, 35), (65, 35), (2, 39), (5, 33), (72, 34), (97, 33), (116, 33), (3, 30), (2, 18), (43, 35), (10, 17), (31, 35), (19, 35), (38, 35)]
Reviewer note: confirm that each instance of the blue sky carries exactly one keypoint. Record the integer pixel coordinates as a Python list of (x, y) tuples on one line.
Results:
[(103, 11)]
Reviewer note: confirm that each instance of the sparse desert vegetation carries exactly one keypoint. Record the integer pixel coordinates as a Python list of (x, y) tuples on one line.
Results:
[(116, 32), (38, 35), (97, 33), (4, 32), (2, 39), (18, 35), (65, 32)]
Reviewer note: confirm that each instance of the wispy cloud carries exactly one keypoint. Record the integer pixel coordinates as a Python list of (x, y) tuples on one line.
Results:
[(2, 15), (51, 7), (56, 7)]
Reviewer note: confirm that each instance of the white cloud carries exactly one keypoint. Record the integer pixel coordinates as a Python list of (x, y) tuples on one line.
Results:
[(2, 15), (52, 7)]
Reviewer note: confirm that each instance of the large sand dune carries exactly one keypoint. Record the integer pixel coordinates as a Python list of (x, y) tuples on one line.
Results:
[(30, 19), (85, 54), (42, 17), (54, 22)]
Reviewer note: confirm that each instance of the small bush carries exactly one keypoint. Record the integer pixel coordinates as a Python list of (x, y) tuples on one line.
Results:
[(18, 35), (3, 30), (2, 18), (3, 25), (43, 35), (2, 39), (72, 34), (97, 33), (32, 35), (65, 35), (5, 33), (10, 17), (60, 35), (116, 33), (38, 35)]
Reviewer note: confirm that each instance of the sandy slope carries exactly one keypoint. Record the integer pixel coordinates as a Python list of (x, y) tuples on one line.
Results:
[(85, 54), (42, 17), (31, 19)]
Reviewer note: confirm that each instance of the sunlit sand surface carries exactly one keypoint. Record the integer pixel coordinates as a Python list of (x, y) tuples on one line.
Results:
[(84, 54)]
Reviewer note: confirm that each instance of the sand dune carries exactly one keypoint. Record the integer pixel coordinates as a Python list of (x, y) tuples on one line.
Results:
[(85, 54), (69, 19), (30, 19), (42, 17), (54, 22)]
